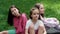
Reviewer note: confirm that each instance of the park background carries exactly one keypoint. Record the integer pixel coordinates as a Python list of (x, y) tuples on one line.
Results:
[(52, 9)]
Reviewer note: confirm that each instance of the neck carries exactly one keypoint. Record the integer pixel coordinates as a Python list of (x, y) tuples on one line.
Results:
[(34, 21), (18, 15), (42, 15)]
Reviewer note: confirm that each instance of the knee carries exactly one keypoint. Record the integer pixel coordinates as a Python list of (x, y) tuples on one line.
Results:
[(41, 28), (1, 32), (5, 32)]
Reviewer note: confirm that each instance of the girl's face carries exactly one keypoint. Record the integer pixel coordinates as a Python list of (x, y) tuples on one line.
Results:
[(41, 9), (15, 11), (35, 14)]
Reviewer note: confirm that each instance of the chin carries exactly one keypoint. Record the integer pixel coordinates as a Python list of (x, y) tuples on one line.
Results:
[(36, 19), (41, 13)]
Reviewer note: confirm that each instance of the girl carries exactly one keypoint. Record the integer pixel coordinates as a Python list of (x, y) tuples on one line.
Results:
[(48, 22), (34, 25), (17, 19)]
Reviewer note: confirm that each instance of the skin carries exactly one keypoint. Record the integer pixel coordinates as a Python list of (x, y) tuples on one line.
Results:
[(4, 32), (41, 10), (35, 16), (15, 12)]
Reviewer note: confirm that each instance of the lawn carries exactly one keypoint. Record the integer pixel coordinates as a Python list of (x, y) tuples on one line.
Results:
[(52, 9)]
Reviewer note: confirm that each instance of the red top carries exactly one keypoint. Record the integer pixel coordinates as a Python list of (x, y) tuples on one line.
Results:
[(19, 24)]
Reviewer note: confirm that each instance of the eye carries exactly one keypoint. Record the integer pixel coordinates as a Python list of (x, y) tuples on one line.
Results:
[(41, 8), (14, 9), (34, 13)]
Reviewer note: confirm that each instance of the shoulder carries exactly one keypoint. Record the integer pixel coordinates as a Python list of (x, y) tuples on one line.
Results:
[(40, 21), (29, 20), (28, 23), (23, 15)]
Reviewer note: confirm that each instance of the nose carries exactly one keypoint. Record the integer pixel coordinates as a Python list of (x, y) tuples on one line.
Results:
[(36, 15)]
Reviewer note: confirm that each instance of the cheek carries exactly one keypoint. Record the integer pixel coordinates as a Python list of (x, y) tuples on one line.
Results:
[(33, 16), (16, 11), (42, 11), (37, 16), (13, 13)]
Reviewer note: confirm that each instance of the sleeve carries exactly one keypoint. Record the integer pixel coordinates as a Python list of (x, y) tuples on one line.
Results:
[(51, 22), (41, 23), (27, 24), (24, 20), (15, 20)]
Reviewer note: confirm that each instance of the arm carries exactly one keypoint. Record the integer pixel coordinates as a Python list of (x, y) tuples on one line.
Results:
[(44, 30), (27, 27), (43, 27), (26, 31), (49, 23), (24, 20)]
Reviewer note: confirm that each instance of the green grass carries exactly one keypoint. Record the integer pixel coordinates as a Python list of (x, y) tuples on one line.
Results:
[(52, 9)]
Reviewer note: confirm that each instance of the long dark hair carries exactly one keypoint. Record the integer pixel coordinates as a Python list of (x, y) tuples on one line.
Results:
[(37, 5), (10, 16)]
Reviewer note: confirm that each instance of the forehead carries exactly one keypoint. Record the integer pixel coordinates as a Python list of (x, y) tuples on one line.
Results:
[(35, 11), (41, 5), (13, 8)]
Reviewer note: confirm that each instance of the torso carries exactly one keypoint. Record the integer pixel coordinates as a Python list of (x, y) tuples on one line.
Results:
[(36, 25)]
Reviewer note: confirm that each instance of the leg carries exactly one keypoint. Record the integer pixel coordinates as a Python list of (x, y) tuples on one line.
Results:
[(4, 32), (8, 32), (31, 29), (40, 30), (1, 33)]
